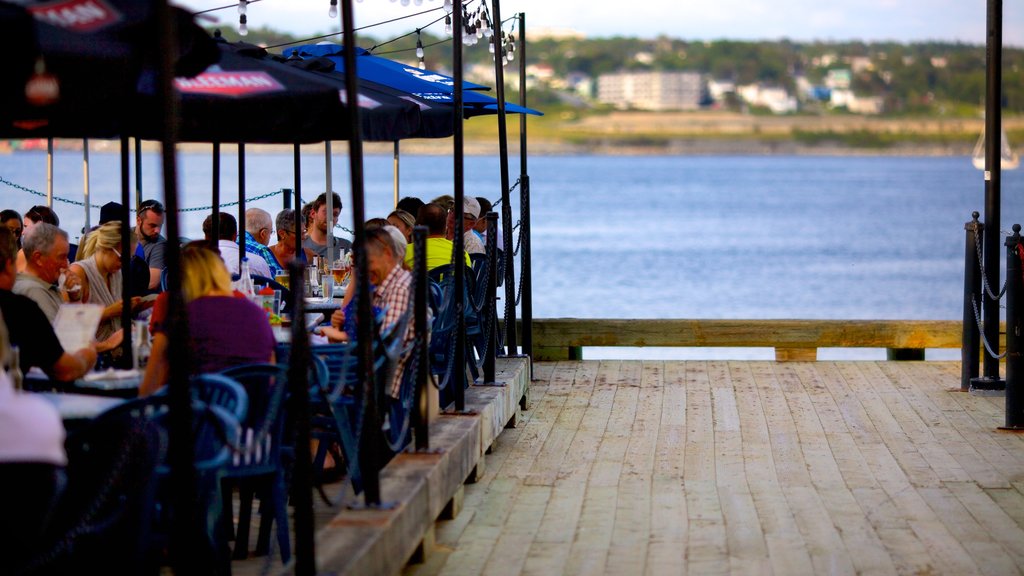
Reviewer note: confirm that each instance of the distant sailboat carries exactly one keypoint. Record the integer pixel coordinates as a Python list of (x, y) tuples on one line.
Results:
[(1008, 159)]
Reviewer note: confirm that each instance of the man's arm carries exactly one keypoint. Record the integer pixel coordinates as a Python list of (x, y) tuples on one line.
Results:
[(74, 365), (155, 259)]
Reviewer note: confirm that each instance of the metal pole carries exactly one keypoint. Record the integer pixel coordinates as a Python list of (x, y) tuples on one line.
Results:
[(186, 556), (297, 173), (215, 218), (993, 128), (126, 255), (329, 187), (1014, 324), (85, 181), (397, 162), (458, 379), (49, 173), (506, 204), (138, 173), (971, 341), (286, 198), (490, 311), (241, 205), (421, 415), (302, 479), (524, 206), (371, 440)]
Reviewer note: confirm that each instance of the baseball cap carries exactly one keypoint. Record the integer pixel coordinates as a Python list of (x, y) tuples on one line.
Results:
[(470, 207)]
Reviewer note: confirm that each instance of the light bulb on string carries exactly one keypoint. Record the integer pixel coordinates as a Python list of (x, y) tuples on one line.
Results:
[(419, 45), (405, 2), (243, 6), (448, 5), (418, 2), (243, 28), (448, 25), (333, 11), (510, 55), (490, 45)]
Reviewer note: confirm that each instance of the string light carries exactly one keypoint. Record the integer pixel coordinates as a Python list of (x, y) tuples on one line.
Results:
[(419, 50), (243, 28), (243, 6), (333, 12)]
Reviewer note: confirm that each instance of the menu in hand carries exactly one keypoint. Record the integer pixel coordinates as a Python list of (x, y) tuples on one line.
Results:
[(75, 325)]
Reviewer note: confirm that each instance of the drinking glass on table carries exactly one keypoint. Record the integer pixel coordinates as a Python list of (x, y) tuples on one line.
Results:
[(283, 280)]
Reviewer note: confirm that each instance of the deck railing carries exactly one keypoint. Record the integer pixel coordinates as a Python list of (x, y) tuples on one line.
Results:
[(793, 340)]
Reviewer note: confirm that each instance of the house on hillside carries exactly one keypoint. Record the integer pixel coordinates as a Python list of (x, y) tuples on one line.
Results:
[(652, 90), (778, 100)]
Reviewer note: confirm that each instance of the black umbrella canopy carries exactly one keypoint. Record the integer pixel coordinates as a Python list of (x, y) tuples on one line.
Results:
[(73, 66), (248, 97)]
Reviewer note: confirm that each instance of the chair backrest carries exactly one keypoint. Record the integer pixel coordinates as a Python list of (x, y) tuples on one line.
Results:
[(219, 390), (262, 431)]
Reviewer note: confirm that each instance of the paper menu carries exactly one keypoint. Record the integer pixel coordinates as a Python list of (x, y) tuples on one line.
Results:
[(75, 325)]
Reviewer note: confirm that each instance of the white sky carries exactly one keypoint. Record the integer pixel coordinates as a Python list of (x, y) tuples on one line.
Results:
[(870, 20)]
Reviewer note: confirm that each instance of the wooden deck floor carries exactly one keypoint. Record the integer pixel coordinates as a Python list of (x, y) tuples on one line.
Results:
[(744, 468)]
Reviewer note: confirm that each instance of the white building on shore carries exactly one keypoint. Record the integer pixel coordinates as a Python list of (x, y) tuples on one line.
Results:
[(651, 90)]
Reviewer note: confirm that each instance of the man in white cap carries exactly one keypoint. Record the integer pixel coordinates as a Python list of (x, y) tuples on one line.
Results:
[(470, 214)]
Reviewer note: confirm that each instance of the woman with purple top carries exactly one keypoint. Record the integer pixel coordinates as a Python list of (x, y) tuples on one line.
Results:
[(224, 330)]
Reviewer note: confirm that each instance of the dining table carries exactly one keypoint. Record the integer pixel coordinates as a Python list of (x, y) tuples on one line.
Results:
[(77, 409)]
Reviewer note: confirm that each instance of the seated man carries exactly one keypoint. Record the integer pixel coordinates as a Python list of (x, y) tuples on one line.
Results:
[(227, 236), (46, 257), (258, 228), (439, 248), (30, 330), (470, 213), (392, 290)]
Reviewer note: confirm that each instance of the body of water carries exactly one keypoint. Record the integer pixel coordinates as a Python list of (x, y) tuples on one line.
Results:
[(655, 236)]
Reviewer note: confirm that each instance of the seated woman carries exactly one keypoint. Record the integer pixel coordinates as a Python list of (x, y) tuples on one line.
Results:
[(224, 330), (98, 270)]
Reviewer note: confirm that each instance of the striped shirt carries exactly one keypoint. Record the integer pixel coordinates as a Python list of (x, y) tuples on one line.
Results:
[(393, 296)]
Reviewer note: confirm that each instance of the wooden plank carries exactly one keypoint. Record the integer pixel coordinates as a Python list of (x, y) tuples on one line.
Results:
[(566, 332)]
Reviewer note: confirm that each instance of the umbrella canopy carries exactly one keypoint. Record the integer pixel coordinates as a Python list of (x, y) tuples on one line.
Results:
[(387, 114), (72, 66), (248, 97), (425, 84)]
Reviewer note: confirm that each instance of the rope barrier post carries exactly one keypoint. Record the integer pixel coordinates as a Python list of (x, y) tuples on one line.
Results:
[(302, 474), (970, 346), (1014, 322), (421, 415), (286, 201), (524, 205), (490, 310)]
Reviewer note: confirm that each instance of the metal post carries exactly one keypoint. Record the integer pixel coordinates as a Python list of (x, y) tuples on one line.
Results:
[(524, 207), (371, 440), (1014, 323), (329, 187), (85, 181), (241, 205), (458, 379), (286, 198), (215, 195), (397, 165), (506, 204), (993, 127), (421, 415), (126, 255), (138, 173), (49, 172), (297, 173), (971, 341), (299, 412), (490, 312), (186, 557)]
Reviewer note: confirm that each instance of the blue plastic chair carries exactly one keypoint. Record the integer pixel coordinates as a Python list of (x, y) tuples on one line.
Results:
[(257, 466), (220, 390)]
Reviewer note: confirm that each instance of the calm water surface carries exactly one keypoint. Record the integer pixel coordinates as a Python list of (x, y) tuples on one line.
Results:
[(658, 237)]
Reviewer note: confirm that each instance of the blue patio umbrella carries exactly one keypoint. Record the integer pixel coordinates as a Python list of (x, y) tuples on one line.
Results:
[(425, 84)]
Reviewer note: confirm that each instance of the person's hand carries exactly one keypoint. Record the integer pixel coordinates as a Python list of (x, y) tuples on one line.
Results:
[(333, 334), (112, 341), (338, 319), (114, 310), (72, 285), (138, 304)]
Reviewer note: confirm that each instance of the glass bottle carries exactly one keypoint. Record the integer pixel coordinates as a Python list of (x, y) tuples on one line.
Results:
[(14, 368), (141, 351), (245, 285)]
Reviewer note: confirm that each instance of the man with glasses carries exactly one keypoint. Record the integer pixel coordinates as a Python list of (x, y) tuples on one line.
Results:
[(149, 220), (258, 228)]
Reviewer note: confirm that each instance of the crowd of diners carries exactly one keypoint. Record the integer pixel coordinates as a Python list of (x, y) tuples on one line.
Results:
[(40, 271)]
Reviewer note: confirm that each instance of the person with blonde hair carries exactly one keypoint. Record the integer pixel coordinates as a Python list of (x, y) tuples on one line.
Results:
[(98, 270), (404, 222), (223, 329)]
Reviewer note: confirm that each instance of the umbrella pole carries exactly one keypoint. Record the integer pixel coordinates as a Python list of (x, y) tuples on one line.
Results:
[(215, 193), (297, 175), (329, 187), (524, 204), (371, 441), (506, 205), (458, 379), (396, 165), (138, 173), (186, 556), (85, 181), (126, 277), (49, 173), (241, 205)]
